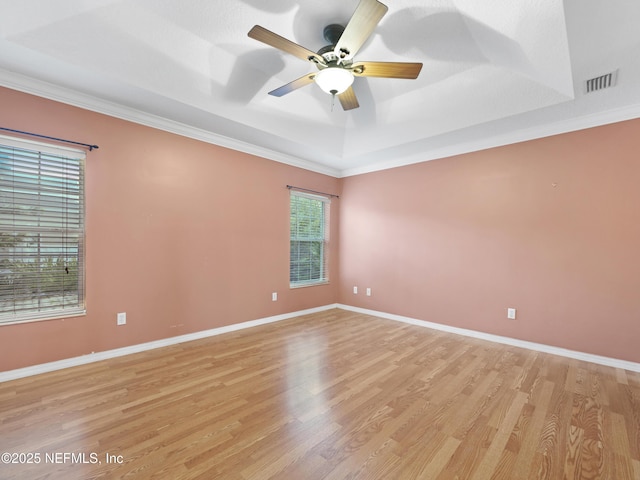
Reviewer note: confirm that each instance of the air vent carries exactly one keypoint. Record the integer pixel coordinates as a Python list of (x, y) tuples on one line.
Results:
[(603, 81)]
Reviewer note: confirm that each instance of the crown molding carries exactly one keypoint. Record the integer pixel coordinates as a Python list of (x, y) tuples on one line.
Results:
[(39, 88), (628, 112), (68, 96)]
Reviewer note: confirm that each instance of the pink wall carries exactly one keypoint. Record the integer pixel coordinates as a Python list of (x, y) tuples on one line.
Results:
[(550, 227), (185, 236), (182, 235)]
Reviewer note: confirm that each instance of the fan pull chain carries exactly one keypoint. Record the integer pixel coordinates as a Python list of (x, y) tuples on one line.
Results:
[(333, 98)]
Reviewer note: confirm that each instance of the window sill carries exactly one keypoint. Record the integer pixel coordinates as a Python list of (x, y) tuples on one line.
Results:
[(52, 316), (304, 285)]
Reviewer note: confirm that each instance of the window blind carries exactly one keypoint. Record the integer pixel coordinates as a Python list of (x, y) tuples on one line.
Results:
[(41, 231), (309, 242)]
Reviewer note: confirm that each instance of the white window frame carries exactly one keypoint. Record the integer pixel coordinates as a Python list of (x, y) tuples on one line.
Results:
[(322, 238), (43, 308)]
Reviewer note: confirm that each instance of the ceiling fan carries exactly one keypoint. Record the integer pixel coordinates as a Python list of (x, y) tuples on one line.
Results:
[(335, 63)]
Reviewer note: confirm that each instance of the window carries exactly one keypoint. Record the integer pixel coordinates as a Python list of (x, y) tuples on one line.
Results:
[(309, 239), (41, 231)]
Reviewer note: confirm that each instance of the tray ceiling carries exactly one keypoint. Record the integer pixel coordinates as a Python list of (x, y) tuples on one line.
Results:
[(495, 72)]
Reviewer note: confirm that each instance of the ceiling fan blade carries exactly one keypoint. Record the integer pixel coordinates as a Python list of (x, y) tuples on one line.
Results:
[(274, 40), (348, 99), (360, 27), (387, 69), (291, 86)]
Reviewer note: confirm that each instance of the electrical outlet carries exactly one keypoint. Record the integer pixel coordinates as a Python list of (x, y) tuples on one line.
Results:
[(511, 313), (368, 292), (355, 290), (121, 318), (274, 296)]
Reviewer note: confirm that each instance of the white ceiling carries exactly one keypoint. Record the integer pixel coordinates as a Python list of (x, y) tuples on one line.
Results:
[(495, 72)]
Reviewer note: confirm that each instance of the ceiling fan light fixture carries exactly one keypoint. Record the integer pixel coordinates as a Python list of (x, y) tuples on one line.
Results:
[(334, 80)]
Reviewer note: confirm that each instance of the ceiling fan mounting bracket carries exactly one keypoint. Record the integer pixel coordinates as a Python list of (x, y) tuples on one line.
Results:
[(332, 33)]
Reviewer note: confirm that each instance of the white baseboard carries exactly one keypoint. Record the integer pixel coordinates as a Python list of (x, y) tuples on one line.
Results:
[(165, 342), (563, 352), (119, 352)]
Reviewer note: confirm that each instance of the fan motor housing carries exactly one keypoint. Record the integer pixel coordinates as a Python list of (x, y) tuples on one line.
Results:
[(332, 34)]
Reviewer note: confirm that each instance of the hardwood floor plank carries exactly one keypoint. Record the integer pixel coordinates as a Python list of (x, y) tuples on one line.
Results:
[(332, 395), (499, 442), (531, 436), (425, 466), (469, 454), (471, 407), (267, 466)]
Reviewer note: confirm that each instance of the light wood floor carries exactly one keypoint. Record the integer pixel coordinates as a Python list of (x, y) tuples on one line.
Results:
[(333, 395)]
